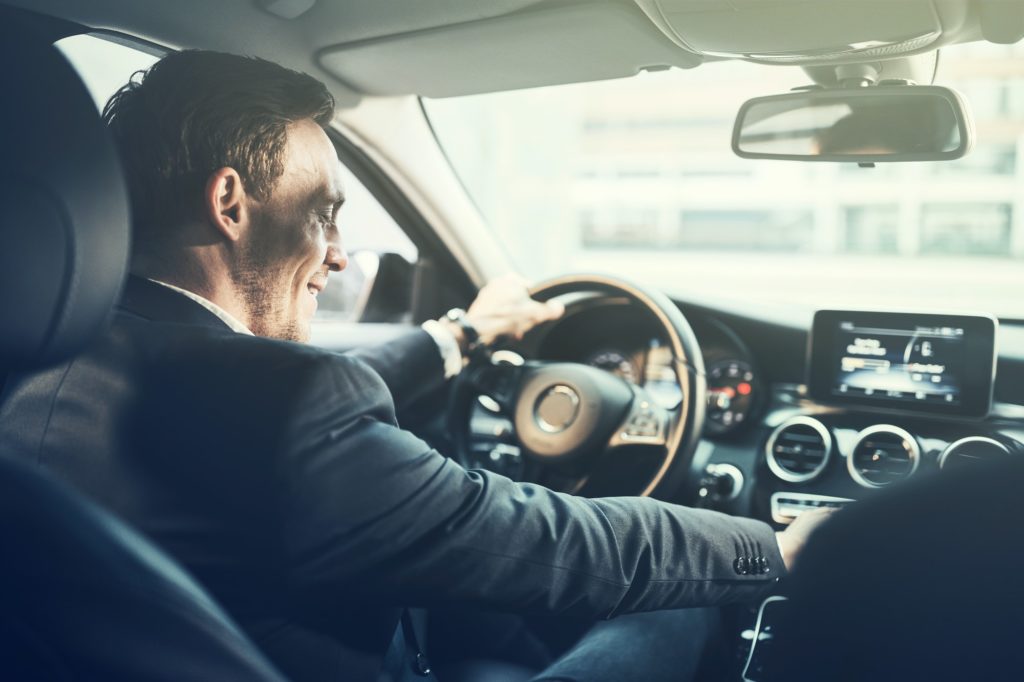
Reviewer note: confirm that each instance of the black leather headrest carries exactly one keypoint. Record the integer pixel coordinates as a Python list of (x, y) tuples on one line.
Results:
[(64, 217)]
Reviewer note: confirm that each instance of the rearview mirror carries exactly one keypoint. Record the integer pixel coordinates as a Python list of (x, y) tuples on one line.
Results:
[(862, 125)]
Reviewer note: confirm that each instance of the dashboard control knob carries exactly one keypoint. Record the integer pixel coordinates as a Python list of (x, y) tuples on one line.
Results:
[(720, 483)]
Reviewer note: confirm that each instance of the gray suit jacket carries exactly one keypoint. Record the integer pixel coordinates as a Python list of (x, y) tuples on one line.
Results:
[(277, 474)]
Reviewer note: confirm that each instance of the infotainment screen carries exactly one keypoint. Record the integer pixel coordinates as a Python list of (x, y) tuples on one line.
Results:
[(912, 361)]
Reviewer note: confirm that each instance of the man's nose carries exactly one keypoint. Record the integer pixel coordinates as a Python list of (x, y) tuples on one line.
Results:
[(336, 259)]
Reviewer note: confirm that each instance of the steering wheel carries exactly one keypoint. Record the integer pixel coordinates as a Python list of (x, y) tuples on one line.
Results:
[(580, 429)]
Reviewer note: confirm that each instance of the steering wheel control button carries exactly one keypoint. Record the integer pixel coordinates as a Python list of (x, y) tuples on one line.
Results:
[(557, 409), (645, 424)]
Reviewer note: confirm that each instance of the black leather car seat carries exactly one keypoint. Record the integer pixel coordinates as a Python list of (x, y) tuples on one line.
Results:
[(82, 596)]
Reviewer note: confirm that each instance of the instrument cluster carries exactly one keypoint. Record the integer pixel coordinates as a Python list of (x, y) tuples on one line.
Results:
[(623, 341), (649, 366), (734, 389)]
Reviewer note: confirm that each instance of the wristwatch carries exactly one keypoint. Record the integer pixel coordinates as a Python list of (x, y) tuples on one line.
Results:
[(469, 333)]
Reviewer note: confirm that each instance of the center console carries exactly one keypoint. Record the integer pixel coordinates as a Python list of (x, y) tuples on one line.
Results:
[(886, 397)]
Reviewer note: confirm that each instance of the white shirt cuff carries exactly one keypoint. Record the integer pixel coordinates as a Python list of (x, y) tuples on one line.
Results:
[(448, 346)]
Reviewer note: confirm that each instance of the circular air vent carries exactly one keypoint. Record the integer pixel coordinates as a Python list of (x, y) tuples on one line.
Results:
[(883, 454), (972, 450), (798, 450)]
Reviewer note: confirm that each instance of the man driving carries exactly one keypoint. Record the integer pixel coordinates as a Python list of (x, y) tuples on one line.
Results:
[(276, 472)]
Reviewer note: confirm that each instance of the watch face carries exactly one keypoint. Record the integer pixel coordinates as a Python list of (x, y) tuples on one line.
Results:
[(469, 332)]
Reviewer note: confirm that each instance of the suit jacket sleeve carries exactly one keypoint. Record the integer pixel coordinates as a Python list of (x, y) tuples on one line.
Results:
[(373, 512), (410, 365)]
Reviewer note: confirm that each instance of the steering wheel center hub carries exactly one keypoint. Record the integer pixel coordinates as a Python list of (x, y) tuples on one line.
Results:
[(557, 408), (566, 410)]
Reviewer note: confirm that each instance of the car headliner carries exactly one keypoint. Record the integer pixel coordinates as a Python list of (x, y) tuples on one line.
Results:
[(443, 48)]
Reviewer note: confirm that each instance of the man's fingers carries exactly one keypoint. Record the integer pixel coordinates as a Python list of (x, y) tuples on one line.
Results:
[(555, 309), (504, 308), (537, 312), (529, 310)]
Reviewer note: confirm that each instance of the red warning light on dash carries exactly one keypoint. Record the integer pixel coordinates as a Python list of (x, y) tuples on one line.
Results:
[(743, 388)]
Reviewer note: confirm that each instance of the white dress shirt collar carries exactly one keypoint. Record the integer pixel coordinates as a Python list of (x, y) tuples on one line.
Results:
[(224, 316), (451, 355)]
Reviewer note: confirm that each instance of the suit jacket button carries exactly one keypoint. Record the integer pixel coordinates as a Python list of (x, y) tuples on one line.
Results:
[(422, 665), (741, 565), (762, 565)]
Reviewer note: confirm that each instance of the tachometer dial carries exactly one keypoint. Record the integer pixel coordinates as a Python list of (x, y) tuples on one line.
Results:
[(615, 362), (732, 390)]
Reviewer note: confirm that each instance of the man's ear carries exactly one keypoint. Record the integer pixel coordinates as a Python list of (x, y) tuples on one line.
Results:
[(225, 203)]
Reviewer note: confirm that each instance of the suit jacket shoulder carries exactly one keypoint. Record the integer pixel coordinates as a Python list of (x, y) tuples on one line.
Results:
[(410, 364)]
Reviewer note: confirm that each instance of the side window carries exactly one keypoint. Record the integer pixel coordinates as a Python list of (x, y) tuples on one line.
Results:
[(367, 230), (367, 233)]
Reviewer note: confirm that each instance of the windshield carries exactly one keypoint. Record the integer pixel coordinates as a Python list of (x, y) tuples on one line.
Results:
[(636, 177)]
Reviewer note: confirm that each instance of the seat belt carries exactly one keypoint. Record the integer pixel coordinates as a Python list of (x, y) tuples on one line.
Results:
[(406, 659)]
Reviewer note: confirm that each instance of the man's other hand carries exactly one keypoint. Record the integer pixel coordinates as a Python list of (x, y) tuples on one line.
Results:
[(504, 308), (793, 539)]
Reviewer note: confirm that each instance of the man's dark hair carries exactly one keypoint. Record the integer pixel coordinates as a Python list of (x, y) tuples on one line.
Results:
[(196, 111)]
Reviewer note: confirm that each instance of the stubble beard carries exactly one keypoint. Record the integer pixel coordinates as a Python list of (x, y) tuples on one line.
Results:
[(266, 291)]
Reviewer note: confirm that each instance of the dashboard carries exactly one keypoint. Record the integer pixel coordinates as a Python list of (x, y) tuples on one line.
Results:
[(880, 398), (803, 416)]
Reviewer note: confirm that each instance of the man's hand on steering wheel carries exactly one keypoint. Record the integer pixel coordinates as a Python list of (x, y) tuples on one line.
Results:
[(503, 308)]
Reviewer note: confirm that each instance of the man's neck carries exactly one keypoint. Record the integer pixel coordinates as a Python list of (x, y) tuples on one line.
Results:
[(193, 277)]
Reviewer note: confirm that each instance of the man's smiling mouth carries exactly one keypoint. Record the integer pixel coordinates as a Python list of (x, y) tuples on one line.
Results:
[(317, 284)]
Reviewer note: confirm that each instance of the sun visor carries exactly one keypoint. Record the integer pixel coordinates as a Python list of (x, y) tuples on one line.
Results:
[(529, 48), (808, 32)]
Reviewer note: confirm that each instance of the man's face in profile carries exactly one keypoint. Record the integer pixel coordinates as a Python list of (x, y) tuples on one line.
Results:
[(294, 243)]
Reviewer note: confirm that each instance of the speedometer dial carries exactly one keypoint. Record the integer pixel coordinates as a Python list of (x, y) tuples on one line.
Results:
[(731, 393), (615, 362)]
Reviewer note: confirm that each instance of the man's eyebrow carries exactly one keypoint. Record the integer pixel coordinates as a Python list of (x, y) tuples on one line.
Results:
[(329, 196)]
